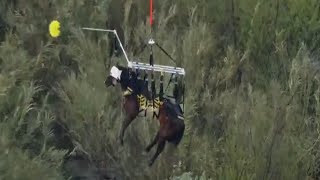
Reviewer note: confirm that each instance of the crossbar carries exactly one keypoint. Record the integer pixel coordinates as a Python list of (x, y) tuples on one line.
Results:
[(139, 65), (157, 68), (114, 32)]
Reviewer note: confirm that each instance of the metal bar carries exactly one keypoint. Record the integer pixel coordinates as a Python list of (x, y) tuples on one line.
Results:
[(113, 31), (157, 66), (158, 69), (162, 70), (97, 29), (160, 66), (141, 66), (124, 52)]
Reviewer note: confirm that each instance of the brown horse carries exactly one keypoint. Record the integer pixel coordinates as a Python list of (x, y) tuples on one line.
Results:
[(169, 114)]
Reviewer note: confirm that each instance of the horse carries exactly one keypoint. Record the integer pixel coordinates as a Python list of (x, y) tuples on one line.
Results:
[(170, 115)]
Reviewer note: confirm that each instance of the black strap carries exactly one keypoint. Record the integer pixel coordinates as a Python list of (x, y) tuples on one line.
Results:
[(169, 83), (165, 52), (161, 87), (162, 49)]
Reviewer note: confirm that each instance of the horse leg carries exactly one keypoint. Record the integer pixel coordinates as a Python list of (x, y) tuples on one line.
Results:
[(161, 145), (126, 122), (153, 142)]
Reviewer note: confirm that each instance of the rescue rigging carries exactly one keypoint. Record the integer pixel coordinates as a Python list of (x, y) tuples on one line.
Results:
[(177, 73), (170, 117)]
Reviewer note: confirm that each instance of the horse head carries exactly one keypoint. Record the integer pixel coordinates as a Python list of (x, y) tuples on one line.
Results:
[(118, 75)]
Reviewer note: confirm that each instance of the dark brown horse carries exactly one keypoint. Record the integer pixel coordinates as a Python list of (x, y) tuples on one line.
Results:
[(169, 114)]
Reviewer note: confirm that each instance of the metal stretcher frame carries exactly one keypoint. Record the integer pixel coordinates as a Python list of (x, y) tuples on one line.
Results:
[(139, 65), (156, 67)]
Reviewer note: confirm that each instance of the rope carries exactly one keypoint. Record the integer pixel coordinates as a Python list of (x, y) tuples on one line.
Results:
[(173, 60)]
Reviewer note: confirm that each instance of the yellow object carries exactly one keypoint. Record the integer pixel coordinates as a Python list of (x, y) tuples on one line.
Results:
[(128, 92), (142, 102), (54, 28), (147, 105)]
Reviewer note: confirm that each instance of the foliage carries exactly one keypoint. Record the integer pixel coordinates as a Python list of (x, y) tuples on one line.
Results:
[(252, 99)]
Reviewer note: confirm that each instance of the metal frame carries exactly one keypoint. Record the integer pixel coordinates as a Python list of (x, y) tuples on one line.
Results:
[(113, 31), (139, 65), (158, 68), (144, 66)]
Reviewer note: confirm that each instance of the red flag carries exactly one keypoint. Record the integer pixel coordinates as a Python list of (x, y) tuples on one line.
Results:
[(151, 13)]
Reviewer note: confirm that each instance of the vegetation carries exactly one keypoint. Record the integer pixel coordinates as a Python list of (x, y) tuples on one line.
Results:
[(252, 89)]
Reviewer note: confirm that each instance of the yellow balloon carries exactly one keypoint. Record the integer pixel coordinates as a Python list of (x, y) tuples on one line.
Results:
[(54, 28)]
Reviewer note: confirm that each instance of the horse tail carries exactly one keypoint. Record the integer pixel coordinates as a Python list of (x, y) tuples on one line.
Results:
[(179, 135)]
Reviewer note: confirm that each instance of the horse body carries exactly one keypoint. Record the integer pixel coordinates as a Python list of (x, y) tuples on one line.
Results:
[(168, 113)]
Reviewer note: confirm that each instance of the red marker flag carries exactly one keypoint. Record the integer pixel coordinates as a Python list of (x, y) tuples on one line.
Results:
[(151, 13)]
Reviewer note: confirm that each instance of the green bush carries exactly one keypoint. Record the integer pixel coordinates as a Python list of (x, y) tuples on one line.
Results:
[(252, 97)]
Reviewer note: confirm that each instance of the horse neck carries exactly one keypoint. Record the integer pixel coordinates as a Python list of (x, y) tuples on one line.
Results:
[(139, 83)]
